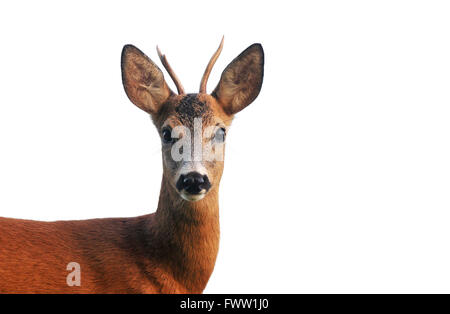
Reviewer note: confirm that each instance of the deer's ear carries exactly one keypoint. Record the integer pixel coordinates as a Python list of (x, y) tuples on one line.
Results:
[(241, 81), (143, 81)]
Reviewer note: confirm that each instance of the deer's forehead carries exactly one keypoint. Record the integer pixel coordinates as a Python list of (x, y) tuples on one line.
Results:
[(185, 109), (191, 107)]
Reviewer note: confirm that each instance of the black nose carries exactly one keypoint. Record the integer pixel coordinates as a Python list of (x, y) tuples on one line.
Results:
[(193, 183)]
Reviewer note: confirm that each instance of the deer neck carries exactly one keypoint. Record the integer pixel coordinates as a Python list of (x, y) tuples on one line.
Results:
[(189, 234)]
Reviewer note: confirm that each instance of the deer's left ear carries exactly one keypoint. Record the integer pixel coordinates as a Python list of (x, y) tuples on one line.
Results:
[(143, 81), (241, 81)]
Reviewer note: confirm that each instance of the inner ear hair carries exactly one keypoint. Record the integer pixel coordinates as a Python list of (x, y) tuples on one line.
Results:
[(241, 80), (143, 81)]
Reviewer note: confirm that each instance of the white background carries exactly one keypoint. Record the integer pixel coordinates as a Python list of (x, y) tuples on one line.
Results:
[(336, 178)]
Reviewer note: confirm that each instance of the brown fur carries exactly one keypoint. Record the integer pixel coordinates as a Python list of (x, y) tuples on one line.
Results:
[(170, 251)]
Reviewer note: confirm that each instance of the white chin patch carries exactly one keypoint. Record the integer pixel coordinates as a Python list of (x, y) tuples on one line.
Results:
[(192, 197)]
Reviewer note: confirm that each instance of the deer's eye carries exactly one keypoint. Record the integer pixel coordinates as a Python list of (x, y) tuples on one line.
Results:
[(167, 135), (220, 135)]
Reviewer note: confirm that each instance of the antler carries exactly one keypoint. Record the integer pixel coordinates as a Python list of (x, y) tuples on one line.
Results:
[(209, 67), (170, 71)]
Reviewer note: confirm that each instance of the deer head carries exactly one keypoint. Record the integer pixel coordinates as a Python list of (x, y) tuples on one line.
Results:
[(192, 127)]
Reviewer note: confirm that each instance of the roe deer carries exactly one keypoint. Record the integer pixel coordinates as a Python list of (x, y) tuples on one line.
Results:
[(172, 250)]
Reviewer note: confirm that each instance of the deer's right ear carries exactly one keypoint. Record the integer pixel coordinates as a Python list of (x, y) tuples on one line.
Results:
[(143, 81), (242, 79)]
